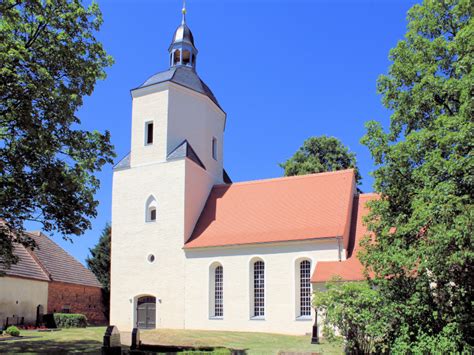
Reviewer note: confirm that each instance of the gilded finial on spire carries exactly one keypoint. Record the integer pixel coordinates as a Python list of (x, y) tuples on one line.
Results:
[(183, 11)]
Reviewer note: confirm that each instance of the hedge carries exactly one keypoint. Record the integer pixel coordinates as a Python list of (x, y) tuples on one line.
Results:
[(13, 331), (70, 320)]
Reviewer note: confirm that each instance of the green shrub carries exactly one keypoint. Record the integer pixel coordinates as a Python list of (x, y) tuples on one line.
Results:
[(70, 320), (13, 331)]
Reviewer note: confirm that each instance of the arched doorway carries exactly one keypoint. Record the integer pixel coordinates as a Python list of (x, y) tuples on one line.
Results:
[(146, 312)]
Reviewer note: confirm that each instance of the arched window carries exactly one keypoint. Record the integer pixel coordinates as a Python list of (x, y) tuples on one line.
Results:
[(186, 57), (216, 291), (214, 148), (151, 207), (258, 289), (219, 292), (177, 57), (304, 288)]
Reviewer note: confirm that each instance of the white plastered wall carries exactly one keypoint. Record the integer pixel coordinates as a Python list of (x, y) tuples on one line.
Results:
[(133, 239), (19, 297), (149, 105), (195, 117), (281, 314)]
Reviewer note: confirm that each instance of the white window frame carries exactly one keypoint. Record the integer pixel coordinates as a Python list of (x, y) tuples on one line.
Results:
[(303, 289), (151, 205), (216, 291), (257, 290)]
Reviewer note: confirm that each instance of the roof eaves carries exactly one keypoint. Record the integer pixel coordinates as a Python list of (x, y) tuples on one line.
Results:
[(187, 247)]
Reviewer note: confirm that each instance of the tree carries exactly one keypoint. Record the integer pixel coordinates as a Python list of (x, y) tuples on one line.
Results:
[(99, 261), (49, 60), (99, 264), (357, 311), (320, 154), (422, 250)]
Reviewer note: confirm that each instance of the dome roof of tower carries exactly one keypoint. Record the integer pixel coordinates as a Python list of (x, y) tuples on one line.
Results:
[(183, 76), (183, 34)]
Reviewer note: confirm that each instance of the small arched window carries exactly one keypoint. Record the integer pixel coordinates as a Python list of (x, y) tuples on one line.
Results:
[(186, 57), (177, 57), (304, 289), (151, 207)]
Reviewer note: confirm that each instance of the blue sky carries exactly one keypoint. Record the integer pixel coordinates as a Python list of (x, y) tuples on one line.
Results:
[(282, 70)]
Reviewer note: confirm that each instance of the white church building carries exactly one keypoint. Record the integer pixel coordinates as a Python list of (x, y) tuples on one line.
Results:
[(191, 249)]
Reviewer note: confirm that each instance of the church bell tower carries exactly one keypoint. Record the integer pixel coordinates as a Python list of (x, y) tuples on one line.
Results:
[(161, 186)]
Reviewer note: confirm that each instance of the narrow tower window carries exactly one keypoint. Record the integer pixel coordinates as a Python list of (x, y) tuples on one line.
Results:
[(259, 289), (151, 206), (214, 148), (305, 289), (152, 214), (149, 133)]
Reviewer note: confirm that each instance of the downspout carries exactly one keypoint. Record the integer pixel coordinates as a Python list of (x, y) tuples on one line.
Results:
[(339, 248)]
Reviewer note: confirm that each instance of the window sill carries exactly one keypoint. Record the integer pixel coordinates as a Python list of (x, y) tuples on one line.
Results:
[(216, 318), (257, 318), (304, 318)]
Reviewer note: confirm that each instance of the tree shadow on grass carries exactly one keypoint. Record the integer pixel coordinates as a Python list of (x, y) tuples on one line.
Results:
[(50, 347)]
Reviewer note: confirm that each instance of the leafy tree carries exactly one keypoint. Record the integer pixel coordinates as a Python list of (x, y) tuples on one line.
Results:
[(422, 253), (99, 261), (99, 264), (357, 311), (320, 154), (49, 60)]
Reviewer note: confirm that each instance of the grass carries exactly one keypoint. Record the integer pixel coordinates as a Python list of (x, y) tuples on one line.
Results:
[(65, 341), (253, 343), (89, 340)]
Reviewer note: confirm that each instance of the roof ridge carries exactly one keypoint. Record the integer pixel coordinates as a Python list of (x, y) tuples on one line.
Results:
[(284, 178)]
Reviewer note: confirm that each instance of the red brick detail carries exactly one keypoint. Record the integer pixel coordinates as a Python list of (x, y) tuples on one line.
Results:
[(81, 299)]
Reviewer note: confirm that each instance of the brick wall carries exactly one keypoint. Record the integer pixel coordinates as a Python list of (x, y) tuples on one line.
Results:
[(86, 300)]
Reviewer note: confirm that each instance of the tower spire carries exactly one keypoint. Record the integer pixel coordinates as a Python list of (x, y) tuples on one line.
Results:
[(182, 50), (183, 11)]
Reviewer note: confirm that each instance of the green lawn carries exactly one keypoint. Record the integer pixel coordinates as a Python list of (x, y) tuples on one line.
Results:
[(89, 340), (253, 343), (78, 340)]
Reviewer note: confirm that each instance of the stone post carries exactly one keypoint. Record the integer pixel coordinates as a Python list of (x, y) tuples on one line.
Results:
[(315, 336)]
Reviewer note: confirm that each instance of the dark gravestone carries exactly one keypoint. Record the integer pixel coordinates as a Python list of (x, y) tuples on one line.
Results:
[(135, 339), (48, 319), (315, 335), (112, 344)]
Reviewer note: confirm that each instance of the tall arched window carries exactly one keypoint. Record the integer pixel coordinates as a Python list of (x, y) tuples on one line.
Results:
[(151, 206), (219, 292), (258, 289), (304, 288), (216, 291)]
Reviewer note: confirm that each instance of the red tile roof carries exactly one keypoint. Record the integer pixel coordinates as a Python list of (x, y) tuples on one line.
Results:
[(275, 210), (60, 265), (350, 269), (27, 267), (50, 262)]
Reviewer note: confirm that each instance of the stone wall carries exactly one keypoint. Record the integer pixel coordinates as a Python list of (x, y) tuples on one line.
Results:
[(73, 298)]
